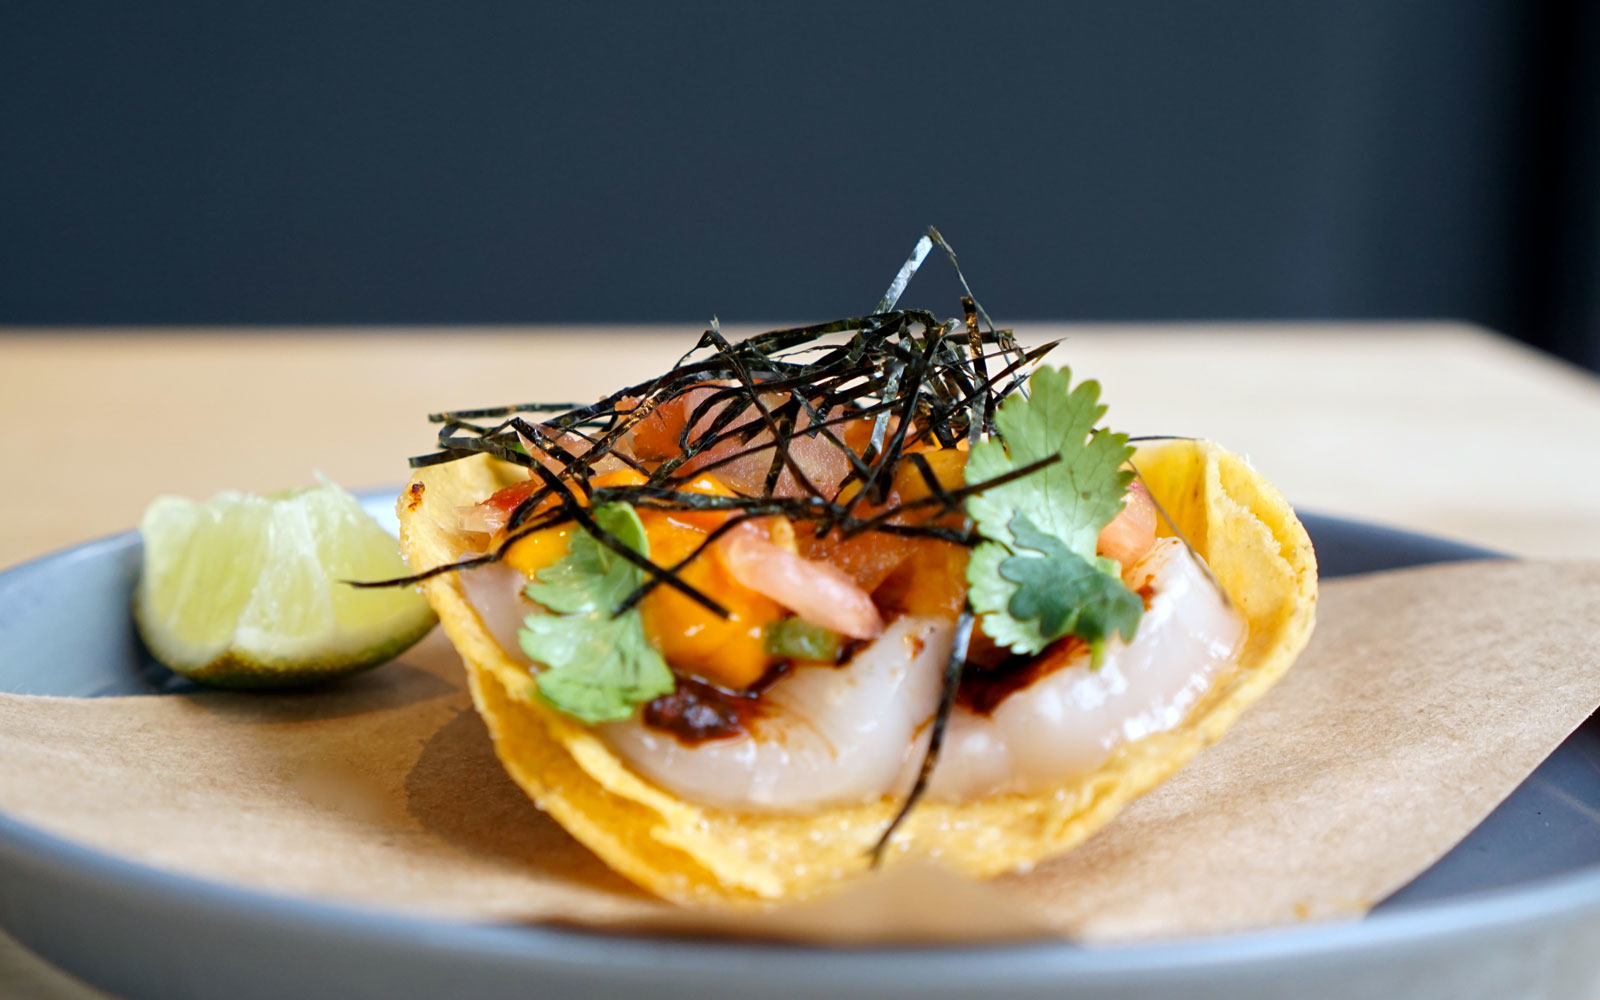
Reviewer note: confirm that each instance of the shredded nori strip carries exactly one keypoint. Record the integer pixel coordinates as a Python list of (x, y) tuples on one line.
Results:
[(919, 378), (950, 685)]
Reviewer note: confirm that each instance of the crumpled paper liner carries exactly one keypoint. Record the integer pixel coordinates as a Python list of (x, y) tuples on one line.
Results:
[(1425, 697)]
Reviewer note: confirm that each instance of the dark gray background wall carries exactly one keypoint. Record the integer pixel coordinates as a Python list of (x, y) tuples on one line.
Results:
[(506, 162)]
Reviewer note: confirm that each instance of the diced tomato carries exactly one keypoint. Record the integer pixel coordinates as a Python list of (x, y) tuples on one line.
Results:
[(931, 580), (655, 438), (739, 461), (511, 497), (1131, 533), (869, 558)]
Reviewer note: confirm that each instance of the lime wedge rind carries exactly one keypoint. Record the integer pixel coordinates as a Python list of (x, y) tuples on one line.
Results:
[(246, 591)]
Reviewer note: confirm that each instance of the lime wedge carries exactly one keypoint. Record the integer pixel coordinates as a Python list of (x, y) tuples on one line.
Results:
[(244, 591)]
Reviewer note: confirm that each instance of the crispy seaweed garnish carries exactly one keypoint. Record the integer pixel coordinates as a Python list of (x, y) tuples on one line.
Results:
[(950, 685), (917, 378)]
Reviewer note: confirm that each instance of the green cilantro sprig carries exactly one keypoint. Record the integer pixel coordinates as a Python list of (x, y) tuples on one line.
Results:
[(1035, 577), (598, 666)]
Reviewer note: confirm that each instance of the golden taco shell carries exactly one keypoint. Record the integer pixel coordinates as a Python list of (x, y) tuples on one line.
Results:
[(1238, 521)]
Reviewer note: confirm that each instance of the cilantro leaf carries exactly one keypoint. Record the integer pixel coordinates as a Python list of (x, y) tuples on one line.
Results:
[(1072, 499), (1057, 512), (1066, 592), (597, 666)]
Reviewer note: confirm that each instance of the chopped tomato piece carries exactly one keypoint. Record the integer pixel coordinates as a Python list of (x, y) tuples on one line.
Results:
[(868, 558), (1131, 533), (931, 580)]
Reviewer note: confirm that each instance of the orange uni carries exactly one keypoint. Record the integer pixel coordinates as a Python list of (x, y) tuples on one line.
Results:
[(725, 651)]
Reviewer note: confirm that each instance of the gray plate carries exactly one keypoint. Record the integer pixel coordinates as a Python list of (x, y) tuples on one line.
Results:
[(1513, 911)]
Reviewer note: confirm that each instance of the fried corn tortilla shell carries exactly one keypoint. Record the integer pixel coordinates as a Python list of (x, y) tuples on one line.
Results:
[(1238, 521)]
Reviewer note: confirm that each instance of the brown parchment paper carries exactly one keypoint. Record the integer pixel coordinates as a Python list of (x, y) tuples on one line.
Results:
[(1425, 697)]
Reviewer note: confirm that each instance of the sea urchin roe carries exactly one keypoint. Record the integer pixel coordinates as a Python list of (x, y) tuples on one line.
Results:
[(727, 651), (535, 551), (948, 466), (694, 639)]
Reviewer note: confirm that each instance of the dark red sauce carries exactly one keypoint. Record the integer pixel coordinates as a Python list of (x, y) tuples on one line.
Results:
[(983, 689), (696, 712), (993, 674)]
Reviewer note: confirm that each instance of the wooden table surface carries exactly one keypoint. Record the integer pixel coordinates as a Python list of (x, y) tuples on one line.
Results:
[(1435, 427)]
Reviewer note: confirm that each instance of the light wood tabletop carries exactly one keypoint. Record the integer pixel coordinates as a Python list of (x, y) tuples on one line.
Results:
[(1440, 428)]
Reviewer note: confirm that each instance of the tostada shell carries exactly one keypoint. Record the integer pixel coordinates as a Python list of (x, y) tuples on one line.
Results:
[(1234, 517)]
